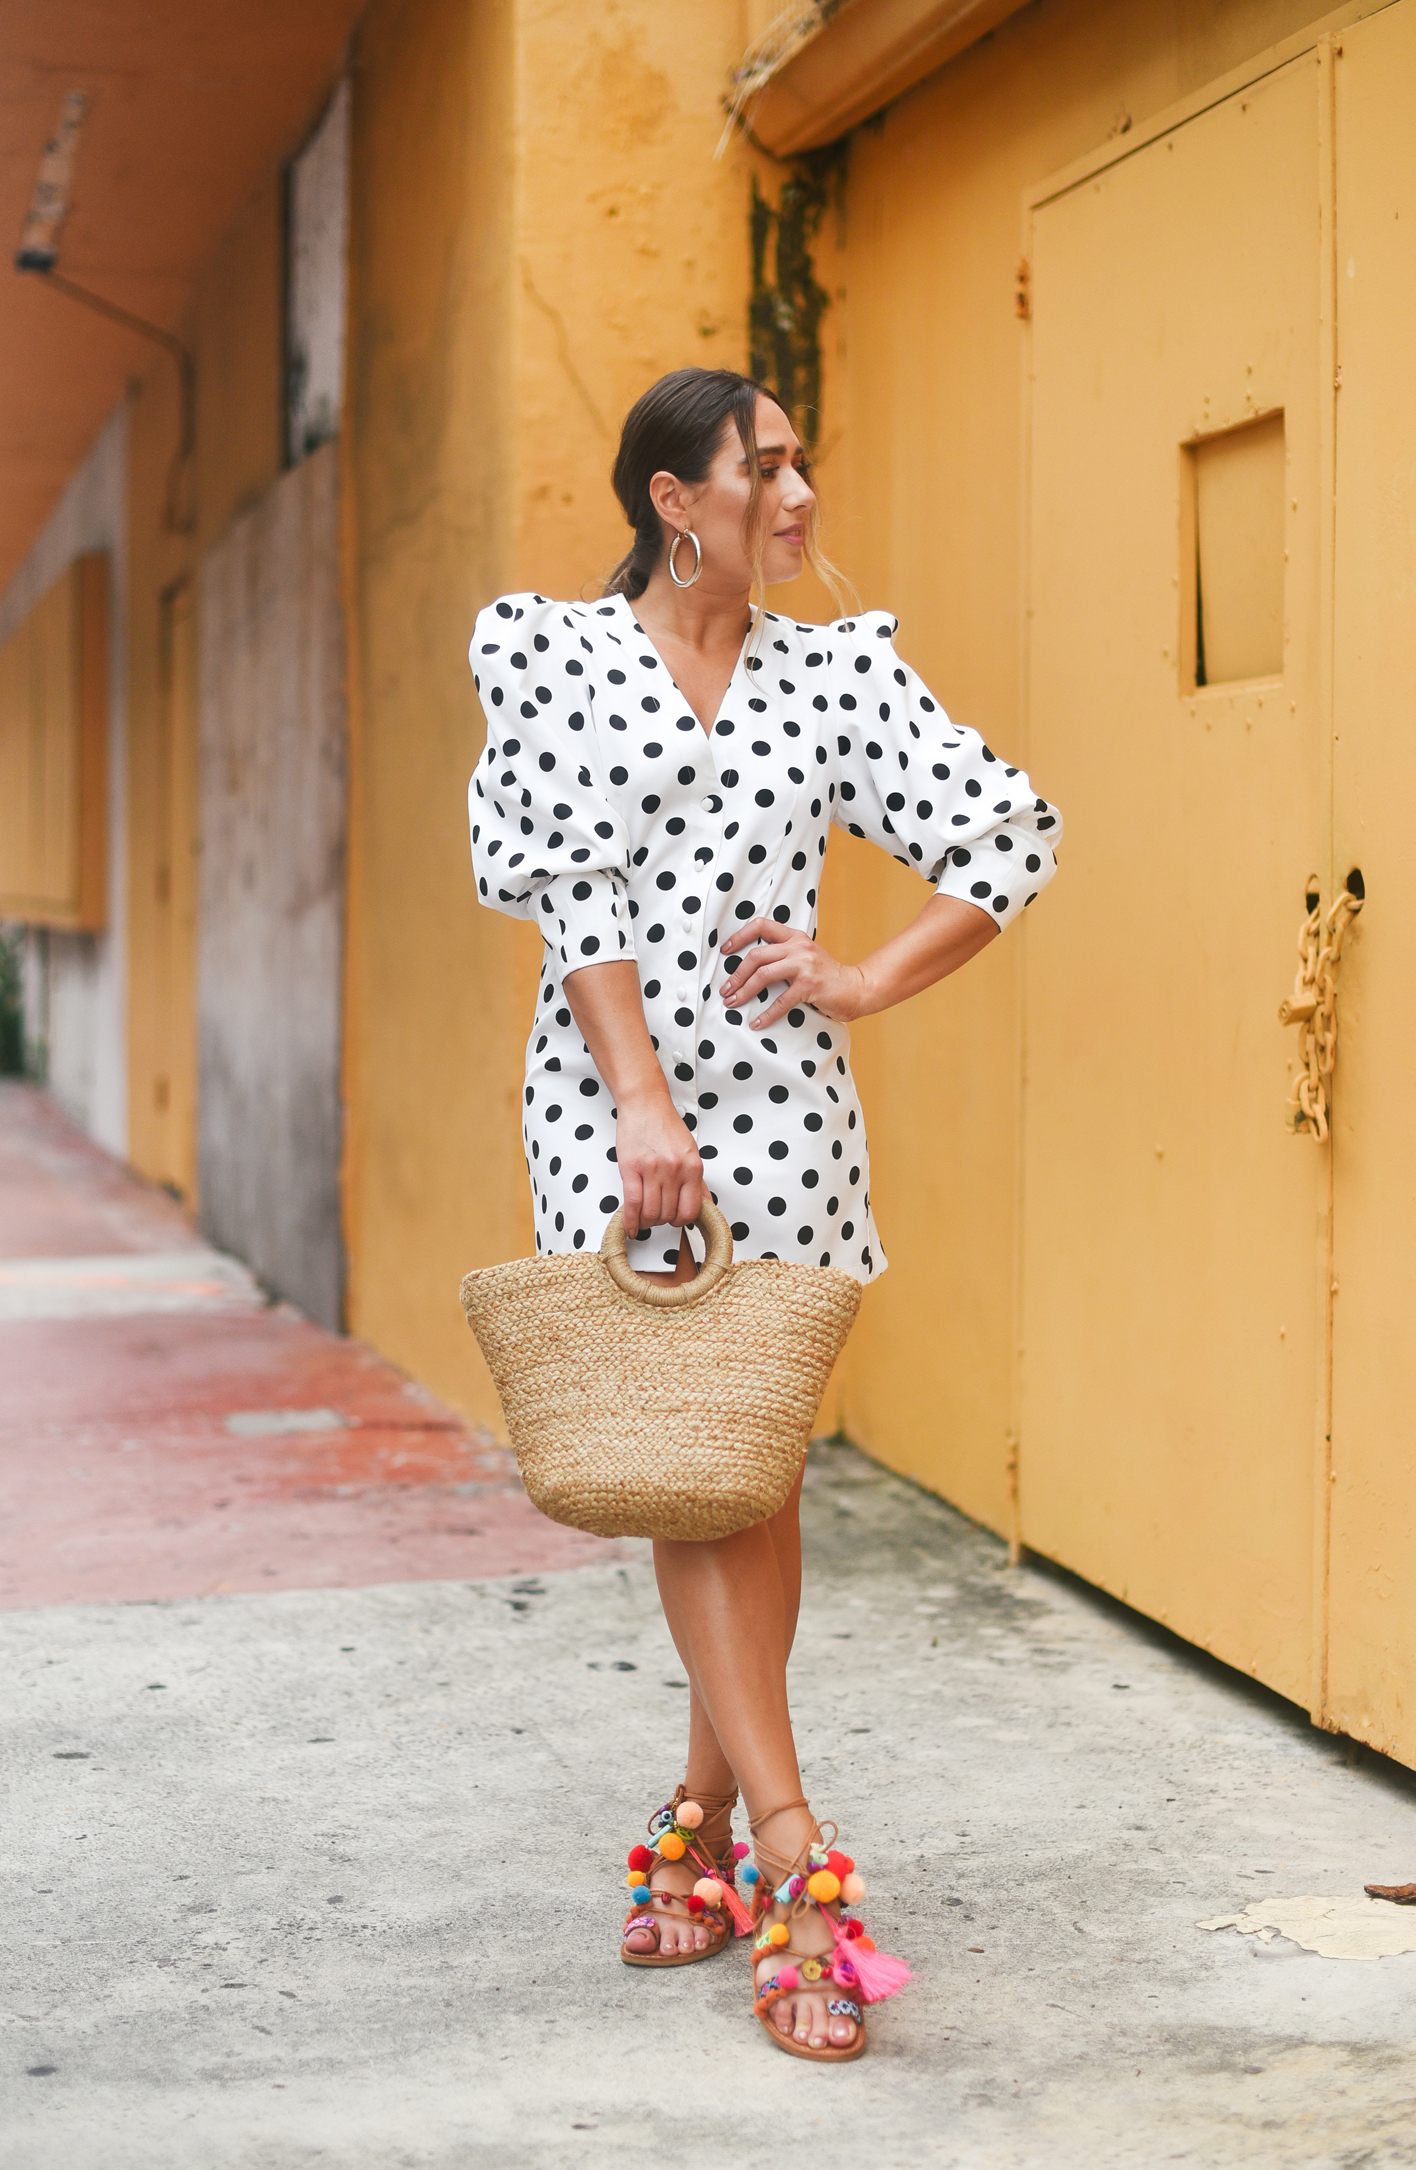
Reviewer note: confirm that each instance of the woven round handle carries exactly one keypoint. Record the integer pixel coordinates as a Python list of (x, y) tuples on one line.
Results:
[(670, 1296)]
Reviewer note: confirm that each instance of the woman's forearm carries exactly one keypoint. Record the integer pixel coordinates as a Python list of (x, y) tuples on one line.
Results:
[(608, 1008), (765, 955), (946, 934), (660, 1172)]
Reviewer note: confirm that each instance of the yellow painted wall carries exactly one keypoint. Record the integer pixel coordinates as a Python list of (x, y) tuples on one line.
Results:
[(234, 330), (927, 487), (538, 230), (54, 754)]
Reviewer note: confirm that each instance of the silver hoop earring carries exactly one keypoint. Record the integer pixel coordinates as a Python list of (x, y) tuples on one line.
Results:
[(686, 534)]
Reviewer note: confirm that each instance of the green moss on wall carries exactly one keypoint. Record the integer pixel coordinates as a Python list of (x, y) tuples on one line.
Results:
[(788, 301)]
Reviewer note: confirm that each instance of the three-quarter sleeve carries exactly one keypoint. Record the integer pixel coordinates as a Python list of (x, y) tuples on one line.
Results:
[(546, 843), (930, 791)]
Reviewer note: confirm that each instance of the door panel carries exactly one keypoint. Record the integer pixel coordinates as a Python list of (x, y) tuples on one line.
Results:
[(1170, 1302), (1371, 1675)]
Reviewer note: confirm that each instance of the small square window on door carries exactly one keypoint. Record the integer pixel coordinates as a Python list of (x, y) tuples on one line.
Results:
[(1232, 545)]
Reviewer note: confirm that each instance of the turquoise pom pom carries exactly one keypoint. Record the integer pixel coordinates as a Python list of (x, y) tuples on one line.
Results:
[(750, 1873)]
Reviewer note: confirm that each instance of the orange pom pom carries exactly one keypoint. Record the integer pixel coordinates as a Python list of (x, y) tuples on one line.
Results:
[(853, 1888), (823, 1886), (779, 1933), (709, 1890), (865, 1943), (671, 1846), (636, 1879)]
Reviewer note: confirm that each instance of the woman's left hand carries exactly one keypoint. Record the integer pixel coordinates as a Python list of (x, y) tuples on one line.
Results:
[(767, 953)]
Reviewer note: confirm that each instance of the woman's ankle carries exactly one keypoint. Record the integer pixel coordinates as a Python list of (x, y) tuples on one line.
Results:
[(715, 1831), (780, 1837)]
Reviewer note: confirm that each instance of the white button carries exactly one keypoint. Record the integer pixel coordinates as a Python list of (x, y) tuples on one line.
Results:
[(707, 805)]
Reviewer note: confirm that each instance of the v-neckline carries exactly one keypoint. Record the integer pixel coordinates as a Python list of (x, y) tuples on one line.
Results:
[(706, 729)]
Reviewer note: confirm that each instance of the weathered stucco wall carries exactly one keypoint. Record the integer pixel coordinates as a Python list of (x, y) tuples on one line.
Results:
[(271, 797), (537, 231), (235, 332)]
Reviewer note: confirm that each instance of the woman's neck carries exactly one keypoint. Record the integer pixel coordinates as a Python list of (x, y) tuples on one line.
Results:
[(703, 618)]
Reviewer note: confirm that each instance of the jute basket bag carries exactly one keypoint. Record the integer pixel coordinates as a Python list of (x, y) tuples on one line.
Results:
[(641, 1410)]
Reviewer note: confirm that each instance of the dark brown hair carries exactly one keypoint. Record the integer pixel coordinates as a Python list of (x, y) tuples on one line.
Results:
[(677, 427)]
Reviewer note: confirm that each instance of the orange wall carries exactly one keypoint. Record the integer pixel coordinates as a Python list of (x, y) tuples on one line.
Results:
[(927, 482), (538, 230)]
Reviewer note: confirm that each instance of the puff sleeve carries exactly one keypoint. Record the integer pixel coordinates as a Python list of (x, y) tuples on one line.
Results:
[(546, 842), (930, 791)]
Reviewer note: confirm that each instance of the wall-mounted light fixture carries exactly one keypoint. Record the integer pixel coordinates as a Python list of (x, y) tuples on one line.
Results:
[(38, 251)]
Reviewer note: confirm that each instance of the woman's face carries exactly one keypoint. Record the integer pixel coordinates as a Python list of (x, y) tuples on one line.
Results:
[(716, 508)]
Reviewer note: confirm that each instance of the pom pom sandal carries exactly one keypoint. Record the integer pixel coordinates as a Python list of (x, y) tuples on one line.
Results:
[(681, 1831), (851, 1973)]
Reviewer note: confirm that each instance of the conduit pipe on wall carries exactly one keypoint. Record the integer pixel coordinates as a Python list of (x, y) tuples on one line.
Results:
[(38, 252)]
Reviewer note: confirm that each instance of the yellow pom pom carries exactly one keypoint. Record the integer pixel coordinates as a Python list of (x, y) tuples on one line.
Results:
[(824, 1885), (671, 1846), (635, 1878), (779, 1933)]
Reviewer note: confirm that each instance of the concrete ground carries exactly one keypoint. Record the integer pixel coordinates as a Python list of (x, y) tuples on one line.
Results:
[(168, 1431), (306, 1876)]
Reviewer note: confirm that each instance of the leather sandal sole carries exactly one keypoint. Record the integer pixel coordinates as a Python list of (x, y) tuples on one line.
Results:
[(678, 1959), (793, 2048)]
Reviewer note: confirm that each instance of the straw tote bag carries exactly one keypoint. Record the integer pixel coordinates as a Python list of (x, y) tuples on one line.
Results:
[(642, 1410)]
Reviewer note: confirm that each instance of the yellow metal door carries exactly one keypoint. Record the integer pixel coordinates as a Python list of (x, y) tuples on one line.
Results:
[(1171, 1304), (1370, 1684)]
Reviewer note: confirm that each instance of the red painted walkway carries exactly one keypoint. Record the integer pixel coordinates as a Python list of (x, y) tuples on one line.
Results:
[(165, 1432)]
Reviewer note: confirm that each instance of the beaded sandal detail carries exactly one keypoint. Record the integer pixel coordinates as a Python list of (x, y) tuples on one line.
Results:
[(675, 1834), (820, 1876)]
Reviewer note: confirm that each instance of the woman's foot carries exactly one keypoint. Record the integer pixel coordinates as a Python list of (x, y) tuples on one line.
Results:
[(813, 2014), (672, 1921), (813, 1967), (675, 1933)]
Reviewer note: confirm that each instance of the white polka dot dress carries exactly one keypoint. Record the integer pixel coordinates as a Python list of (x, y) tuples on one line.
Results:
[(602, 810)]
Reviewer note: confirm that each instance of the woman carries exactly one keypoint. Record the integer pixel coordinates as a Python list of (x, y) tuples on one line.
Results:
[(660, 773)]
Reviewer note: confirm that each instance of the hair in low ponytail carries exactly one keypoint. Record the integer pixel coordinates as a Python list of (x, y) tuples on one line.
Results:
[(676, 427)]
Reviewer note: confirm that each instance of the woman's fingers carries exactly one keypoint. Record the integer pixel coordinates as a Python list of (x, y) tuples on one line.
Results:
[(756, 931), (790, 1000), (660, 1197), (690, 1203), (660, 1170)]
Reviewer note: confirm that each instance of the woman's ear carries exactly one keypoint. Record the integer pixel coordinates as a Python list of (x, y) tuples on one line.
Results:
[(666, 496)]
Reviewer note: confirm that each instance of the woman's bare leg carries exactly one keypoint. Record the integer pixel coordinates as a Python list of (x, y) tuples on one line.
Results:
[(708, 1770), (731, 1607)]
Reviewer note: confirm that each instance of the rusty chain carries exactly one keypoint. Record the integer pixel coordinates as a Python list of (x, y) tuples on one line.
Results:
[(1312, 1007)]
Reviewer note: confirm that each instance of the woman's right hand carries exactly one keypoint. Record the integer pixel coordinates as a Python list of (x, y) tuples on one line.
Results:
[(658, 1163)]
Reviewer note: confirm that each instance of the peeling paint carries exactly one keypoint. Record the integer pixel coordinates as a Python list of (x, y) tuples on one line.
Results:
[(1344, 1928)]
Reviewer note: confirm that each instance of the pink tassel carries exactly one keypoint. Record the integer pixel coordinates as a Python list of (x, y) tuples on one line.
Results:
[(737, 1912), (742, 1920), (877, 1974)]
